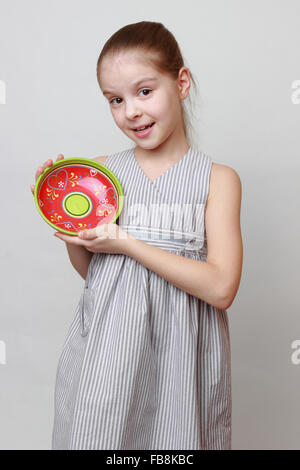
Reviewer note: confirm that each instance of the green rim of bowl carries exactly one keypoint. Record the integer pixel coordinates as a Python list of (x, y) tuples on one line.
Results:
[(85, 161)]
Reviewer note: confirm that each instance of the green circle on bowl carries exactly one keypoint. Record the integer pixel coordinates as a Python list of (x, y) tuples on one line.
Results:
[(77, 204)]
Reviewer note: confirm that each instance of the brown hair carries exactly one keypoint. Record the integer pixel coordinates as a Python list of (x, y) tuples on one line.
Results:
[(166, 57)]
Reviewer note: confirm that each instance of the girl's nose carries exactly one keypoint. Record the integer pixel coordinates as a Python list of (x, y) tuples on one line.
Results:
[(132, 111)]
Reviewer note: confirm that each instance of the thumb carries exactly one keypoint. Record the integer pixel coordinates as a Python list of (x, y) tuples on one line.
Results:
[(100, 231), (87, 234)]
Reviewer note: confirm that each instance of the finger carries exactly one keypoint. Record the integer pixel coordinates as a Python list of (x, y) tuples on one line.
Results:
[(42, 168), (38, 172), (68, 238), (88, 234)]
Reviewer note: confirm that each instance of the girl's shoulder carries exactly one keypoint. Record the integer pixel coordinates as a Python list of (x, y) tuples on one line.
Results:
[(100, 159), (103, 158), (222, 176)]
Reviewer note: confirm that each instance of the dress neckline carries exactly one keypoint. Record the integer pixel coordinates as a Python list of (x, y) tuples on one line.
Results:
[(165, 172)]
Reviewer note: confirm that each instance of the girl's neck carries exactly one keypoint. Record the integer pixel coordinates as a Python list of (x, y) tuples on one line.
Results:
[(169, 151)]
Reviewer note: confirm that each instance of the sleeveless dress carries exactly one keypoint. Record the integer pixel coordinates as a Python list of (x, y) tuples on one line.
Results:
[(145, 365)]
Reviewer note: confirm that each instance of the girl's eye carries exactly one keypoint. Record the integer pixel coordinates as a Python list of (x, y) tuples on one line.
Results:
[(148, 89), (143, 89), (114, 99)]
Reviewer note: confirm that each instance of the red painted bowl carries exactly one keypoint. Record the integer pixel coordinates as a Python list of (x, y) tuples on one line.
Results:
[(75, 194)]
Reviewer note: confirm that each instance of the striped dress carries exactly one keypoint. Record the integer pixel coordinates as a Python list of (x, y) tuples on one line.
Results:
[(145, 365)]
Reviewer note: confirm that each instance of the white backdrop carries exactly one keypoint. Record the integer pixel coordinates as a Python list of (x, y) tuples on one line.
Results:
[(244, 56)]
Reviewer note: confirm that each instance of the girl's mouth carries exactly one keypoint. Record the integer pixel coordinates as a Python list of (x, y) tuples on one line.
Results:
[(144, 132)]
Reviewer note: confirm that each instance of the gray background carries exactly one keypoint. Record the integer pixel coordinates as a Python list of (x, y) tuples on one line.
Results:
[(245, 57)]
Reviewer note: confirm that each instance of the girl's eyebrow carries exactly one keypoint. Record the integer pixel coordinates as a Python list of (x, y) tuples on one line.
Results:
[(148, 79)]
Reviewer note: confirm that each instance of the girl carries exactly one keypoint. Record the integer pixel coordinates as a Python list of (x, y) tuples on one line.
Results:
[(146, 362)]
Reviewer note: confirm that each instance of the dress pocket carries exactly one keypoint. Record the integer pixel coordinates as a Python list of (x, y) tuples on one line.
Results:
[(86, 309)]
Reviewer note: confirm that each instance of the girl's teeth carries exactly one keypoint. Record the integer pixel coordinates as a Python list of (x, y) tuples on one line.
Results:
[(143, 128)]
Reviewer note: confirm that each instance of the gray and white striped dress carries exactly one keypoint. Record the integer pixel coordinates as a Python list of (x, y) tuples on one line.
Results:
[(145, 365)]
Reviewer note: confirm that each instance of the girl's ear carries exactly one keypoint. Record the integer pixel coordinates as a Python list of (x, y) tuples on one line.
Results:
[(184, 82)]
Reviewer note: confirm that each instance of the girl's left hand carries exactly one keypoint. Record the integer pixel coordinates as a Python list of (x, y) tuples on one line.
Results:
[(105, 238)]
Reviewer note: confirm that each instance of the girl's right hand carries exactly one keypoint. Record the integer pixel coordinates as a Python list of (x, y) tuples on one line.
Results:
[(42, 168)]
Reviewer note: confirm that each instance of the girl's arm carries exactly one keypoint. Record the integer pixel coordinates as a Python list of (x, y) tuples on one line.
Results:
[(217, 279), (80, 258)]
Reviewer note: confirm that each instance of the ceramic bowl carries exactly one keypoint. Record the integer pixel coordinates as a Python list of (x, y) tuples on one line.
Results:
[(75, 194)]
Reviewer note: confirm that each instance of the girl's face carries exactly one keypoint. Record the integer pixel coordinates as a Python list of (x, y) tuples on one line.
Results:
[(138, 95)]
